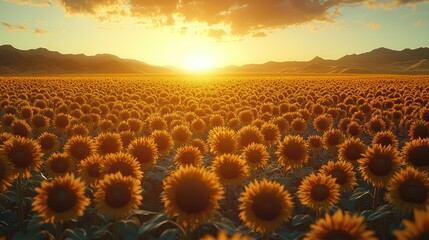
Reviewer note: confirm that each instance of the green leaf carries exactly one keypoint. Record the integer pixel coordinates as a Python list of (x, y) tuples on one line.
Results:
[(301, 219), (380, 213), (153, 223), (75, 234), (348, 204), (170, 234), (128, 230), (359, 193)]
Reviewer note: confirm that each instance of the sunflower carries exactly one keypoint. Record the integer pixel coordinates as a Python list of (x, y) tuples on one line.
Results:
[(416, 152), (231, 169), (6, 174), (79, 148), (144, 150), (198, 125), (323, 122), (409, 190), (341, 225), (375, 125), (4, 137), (315, 143), (385, 138), (8, 119), (222, 140), (156, 122), (200, 144), (222, 235), (62, 121), (319, 191), (351, 150), (59, 164), (265, 205), (343, 172), (61, 199), (378, 164), (116, 195), (164, 142), (419, 129), (24, 153), (181, 134), (292, 152), (188, 155), (124, 163), (79, 130), (192, 194), (271, 133), (106, 125), (126, 138), (49, 142), (332, 139), (106, 143), (415, 230), (298, 125), (256, 155), (249, 134), (90, 169), (246, 117), (354, 129), (20, 128)]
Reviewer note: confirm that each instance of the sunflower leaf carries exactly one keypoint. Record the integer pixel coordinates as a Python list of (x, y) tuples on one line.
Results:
[(301, 219), (380, 213), (169, 234), (153, 223), (359, 193)]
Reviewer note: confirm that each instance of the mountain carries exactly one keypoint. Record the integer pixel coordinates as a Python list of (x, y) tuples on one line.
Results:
[(42, 60), (377, 61)]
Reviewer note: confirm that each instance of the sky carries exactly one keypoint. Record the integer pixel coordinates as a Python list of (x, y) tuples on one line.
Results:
[(198, 34)]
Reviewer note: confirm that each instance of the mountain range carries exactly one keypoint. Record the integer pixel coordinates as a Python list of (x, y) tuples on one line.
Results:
[(377, 61)]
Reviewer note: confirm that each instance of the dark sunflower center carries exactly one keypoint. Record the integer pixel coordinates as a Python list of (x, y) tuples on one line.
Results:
[(353, 152), (266, 206), (319, 192), (2, 171), (376, 126), (117, 195), (226, 145), (413, 191), (294, 151), (39, 122), (60, 165), (94, 170), (333, 140), (161, 143), (61, 199), (420, 132), (21, 156), (143, 154), (338, 235), (248, 138), (340, 176), (269, 135), (47, 143), (188, 158), (298, 126), (192, 196), (109, 146), (419, 156), (385, 141), (80, 150), (124, 168), (380, 166), (254, 156), (181, 135), (229, 170), (353, 130), (322, 124), (316, 143)]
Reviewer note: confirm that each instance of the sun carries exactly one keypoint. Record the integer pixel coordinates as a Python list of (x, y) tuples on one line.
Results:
[(199, 62)]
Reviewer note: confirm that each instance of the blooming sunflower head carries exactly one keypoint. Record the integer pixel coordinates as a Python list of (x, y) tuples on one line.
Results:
[(90, 169), (256, 155), (417, 229), (292, 152), (415, 153), (6, 173), (188, 155), (61, 199), (222, 235), (79, 148), (271, 133), (192, 194), (24, 154), (332, 139), (343, 172), (106, 143), (409, 190), (48, 142), (249, 134), (341, 225), (385, 138), (419, 129), (378, 164), (163, 140), (351, 150), (144, 150), (222, 140), (231, 169), (319, 191), (265, 205), (116, 195), (59, 164), (181, 134), (124, 163)]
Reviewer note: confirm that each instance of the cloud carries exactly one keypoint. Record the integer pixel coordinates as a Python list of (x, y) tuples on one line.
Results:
[(14, 28), (40, 31), (373, 26), (37, 3), (233, 17)]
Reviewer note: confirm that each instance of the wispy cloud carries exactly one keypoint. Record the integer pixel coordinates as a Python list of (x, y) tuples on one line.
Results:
[(40, 31), (373, 26), (36, 3), (14, 28)]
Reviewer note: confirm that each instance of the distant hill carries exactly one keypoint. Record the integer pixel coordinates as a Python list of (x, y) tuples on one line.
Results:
[(378, 61), (42, 60)]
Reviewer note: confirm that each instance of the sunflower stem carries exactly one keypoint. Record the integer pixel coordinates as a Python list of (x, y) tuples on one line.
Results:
[(58, 228), (20, 206), (116, 228), (374, 199), (317, 214)]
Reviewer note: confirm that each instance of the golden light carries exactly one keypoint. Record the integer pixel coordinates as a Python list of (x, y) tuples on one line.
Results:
[(199, 62)]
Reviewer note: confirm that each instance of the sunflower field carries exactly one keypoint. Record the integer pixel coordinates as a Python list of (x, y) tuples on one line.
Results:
[(263, 156)]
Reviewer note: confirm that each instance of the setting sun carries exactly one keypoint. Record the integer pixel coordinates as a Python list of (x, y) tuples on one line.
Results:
[(199, 62)]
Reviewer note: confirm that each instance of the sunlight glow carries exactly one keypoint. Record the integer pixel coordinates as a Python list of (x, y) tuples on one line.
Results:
[(199, 62)]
